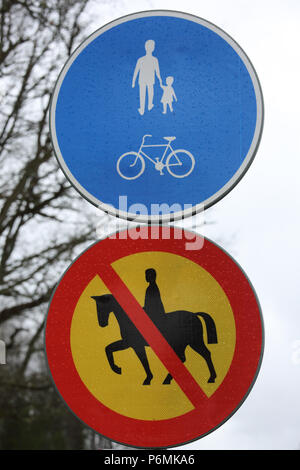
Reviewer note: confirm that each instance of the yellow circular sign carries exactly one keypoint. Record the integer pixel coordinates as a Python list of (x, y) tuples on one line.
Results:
[(183, 285)]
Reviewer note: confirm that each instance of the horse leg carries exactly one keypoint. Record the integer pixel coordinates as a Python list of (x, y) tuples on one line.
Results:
[(110, 349), (205, 353), (169, 377), (141, 354)]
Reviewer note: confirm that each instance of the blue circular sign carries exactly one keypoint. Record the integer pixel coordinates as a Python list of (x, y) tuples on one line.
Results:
[(156, 116)]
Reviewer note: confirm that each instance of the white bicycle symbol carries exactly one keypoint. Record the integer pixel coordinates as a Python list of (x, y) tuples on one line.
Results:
[(179, 163)]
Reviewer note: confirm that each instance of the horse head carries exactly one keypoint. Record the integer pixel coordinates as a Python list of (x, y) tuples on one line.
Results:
[(105, 305)]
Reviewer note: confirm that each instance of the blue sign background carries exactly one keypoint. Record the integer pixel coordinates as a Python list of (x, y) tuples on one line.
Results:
[(97, 117)]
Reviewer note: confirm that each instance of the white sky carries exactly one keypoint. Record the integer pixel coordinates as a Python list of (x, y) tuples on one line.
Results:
[(258, 222)]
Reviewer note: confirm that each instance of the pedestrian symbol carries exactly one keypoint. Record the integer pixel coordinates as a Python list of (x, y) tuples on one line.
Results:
[(147, 67)]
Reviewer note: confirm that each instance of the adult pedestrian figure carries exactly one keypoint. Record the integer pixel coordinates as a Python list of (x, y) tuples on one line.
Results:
[(147, 67)]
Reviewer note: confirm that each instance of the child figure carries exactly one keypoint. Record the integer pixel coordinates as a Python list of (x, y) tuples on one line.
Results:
[(168, 94)]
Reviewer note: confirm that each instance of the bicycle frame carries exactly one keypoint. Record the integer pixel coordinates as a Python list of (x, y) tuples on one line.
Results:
[(167, 146)]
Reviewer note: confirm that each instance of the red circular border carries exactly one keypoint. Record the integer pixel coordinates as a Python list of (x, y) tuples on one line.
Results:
[(215, 410)]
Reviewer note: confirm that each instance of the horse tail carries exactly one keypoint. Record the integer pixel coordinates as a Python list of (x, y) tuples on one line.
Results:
[(212, 337)]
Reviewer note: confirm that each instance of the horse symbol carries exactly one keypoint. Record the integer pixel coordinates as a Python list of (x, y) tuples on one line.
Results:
[(180, 328)]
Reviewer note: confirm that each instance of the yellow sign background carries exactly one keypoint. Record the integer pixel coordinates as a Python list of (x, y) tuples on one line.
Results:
[(184, 285)]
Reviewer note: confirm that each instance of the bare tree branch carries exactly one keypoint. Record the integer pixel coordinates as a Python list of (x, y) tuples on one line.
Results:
[(44, 223)]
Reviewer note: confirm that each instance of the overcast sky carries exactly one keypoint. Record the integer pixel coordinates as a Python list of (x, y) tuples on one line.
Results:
[(258, 222)]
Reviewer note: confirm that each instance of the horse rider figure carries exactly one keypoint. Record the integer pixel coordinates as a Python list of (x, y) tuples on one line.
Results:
[(153, 304)]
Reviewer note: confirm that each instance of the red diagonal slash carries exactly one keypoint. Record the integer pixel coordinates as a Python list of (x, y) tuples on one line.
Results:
[(152, 335)]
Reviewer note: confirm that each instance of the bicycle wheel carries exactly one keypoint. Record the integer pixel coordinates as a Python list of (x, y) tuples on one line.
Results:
[(180, 163), (130, 165)]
